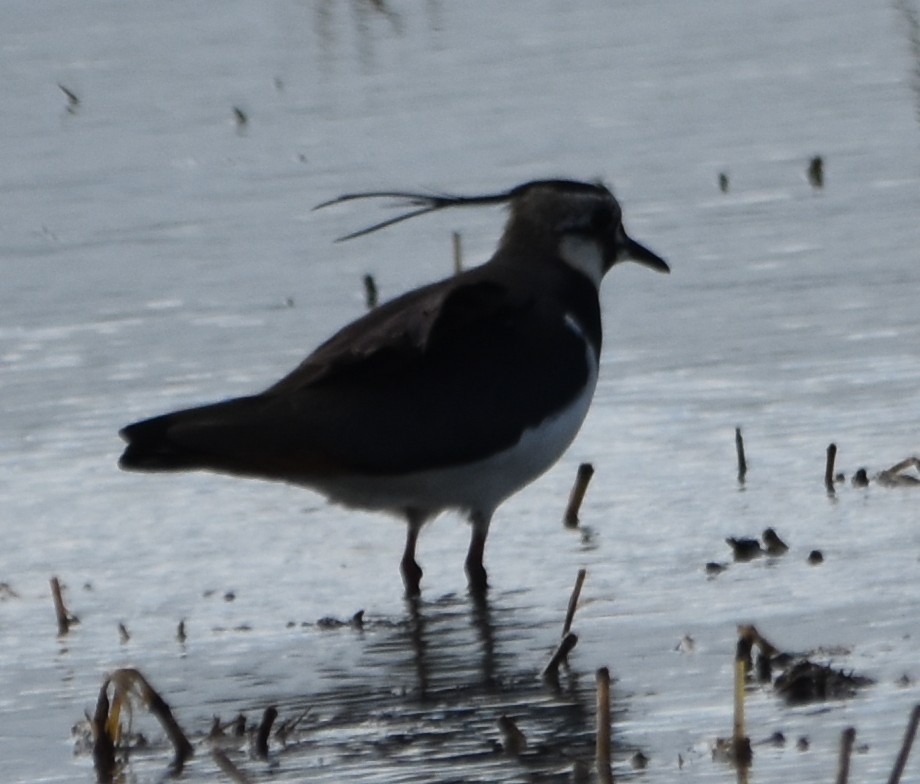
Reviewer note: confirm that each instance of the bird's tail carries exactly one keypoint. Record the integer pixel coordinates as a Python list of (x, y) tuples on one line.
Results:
[(195, 438), (150, 447)]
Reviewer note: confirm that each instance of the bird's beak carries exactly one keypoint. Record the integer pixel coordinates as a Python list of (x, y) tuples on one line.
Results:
[(633, 251)]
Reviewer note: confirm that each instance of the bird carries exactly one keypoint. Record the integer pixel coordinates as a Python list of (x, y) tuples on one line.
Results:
[(452, 396)]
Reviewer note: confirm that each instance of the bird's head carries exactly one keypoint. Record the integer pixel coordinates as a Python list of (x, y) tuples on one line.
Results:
[(580, 222)]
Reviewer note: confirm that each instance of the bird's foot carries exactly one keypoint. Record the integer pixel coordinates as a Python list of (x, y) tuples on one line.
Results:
[(478, 581), (412, 577)]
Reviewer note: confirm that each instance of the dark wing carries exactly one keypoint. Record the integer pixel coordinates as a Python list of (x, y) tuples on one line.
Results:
[(437, 378), (397, 328)]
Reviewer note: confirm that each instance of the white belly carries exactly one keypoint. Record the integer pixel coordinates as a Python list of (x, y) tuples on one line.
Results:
[(479, 486)]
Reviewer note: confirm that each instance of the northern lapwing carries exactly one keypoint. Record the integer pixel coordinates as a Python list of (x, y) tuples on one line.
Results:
[(452, 396)]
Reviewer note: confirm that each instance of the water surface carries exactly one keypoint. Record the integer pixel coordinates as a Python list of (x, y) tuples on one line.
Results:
[(155, 254)]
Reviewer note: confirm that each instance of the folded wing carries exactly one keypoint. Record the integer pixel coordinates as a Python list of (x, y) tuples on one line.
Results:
[(432, 379)]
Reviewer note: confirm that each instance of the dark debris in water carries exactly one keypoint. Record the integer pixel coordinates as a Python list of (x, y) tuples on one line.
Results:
[(806, 681), (801, 680), (905, 473), (355, 622), (744, 548)]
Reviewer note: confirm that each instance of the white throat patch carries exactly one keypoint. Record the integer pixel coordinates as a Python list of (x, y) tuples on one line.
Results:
[(584, 255)]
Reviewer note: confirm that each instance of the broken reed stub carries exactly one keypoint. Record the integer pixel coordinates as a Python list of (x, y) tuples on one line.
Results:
[(265, 728), (64, 618), (741, 744), (903, 754), (582, 478), (370, 292), (562, 650), (815, 172), (847, 739), (829, 467), (573, 601), (602, 744), (742, 462), (457, 244)]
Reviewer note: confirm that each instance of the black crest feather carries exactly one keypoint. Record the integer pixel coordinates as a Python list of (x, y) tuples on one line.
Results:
[(423, 203)]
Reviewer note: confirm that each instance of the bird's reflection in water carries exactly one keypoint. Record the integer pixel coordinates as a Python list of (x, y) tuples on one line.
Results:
[(444, 655), (433, 687)]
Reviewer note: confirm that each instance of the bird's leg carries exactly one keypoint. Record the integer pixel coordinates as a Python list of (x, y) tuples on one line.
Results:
[(411, 571), (475, 571)]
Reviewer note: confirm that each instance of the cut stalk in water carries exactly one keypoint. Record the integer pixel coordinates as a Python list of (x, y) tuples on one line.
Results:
[(585, 472), (829, 467), (458, 252), (64, 618), (905, 746), (265, 728), (602, 751), (741, 745), (370, 292), (739, 448), (573, 601), (847, 738), (568, 642)]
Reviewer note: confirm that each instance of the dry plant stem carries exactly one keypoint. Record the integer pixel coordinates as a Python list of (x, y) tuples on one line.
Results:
[(573, 601), (103, 743), (63, 619), (458, 252), (227, 767), (265, 728), (892, 477), (740, 672), (180, 743), (741, 745), (128, 680), (847, 738), (739, 448), (909, 462), (905, 746), (289, 726), (829, 467), (568, 642), (745, 646), (585, 472), (602, 753), (370, 292)]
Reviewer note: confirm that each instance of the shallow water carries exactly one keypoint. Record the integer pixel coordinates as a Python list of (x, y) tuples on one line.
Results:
[(156, 255)]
